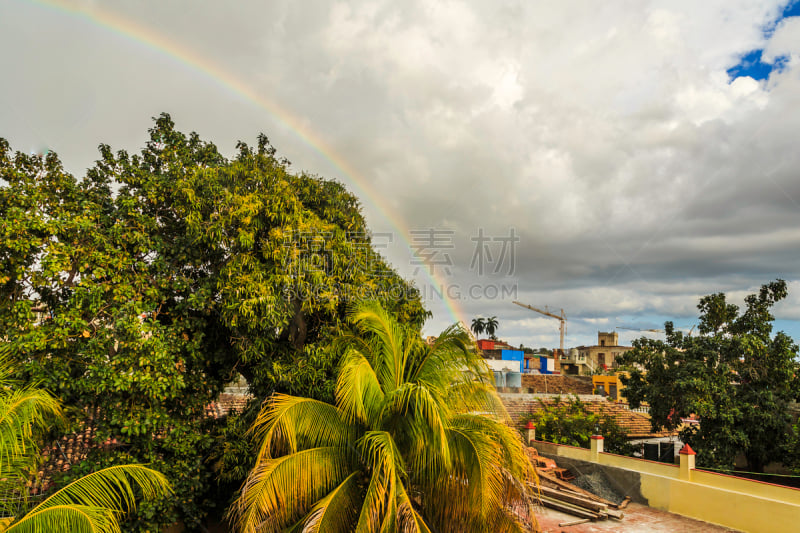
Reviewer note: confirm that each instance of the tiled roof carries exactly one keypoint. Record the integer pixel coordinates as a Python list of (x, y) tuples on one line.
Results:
[(226, 404), (73, 448), (554, 384), (636, 424), (68, 450)]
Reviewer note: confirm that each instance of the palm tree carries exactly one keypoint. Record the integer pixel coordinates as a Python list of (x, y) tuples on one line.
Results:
[(478, 326), (93, 503), (408, 447), (491, 326)]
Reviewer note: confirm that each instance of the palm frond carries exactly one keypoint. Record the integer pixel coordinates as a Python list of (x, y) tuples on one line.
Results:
[(94, 502), (388, 357), (509, 442), (280, 491), (504, 521), (475, 461), (7, 368), (358, 390), (408, 416), (114, 487), (379, 451), (22, 412), (72, 518), (336, 512), (289, 424), (408, 519), (448, 354), (426, 415), (470, 396)]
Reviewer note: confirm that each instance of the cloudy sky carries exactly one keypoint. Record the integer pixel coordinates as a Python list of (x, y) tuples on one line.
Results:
[(617, 159)]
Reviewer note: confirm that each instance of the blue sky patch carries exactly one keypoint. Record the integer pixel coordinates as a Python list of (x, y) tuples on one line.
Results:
[(751, 63)]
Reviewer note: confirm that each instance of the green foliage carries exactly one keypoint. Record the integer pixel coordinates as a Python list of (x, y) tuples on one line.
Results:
[(93, 502), (491, 326), (140, 289), (735, 376), (403, 449), (478, 326), (792, 448), (24, 411), (570, 422)]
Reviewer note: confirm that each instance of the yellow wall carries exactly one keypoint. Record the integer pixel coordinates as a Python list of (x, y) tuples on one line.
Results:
[(726, 500), (608, 381), (646, 467), (745, 511)]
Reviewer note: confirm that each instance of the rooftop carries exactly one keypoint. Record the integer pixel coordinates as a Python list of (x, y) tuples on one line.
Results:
[(636, 424), (638, 518)]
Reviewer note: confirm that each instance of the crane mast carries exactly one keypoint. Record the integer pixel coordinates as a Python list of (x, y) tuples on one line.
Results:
[(561, 318)]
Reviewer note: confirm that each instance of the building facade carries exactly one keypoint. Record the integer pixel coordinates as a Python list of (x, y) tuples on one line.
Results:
[(602, 356)]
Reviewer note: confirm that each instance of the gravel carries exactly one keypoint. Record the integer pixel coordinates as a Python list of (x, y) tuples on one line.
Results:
[(599, 485)]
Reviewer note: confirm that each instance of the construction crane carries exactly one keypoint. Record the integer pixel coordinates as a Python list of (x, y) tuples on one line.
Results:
[(657, 330), (637, 329), (546, 312)]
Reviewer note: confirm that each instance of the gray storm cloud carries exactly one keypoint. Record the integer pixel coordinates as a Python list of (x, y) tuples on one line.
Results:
[(635, 173)]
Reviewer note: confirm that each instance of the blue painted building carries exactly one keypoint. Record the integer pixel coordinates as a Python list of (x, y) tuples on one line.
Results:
[(514, 355)]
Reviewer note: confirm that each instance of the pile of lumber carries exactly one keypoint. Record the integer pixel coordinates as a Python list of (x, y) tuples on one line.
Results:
[(570, 499)]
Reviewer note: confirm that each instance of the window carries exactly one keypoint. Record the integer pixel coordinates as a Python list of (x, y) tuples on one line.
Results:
[(603, 342)]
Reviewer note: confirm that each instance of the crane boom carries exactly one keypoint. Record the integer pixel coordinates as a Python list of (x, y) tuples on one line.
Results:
[(637, 329), (562, 318)]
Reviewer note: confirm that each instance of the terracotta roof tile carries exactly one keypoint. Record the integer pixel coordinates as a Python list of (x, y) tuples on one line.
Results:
[(73, 448), (555, 384), (227, 403), (636, 424)]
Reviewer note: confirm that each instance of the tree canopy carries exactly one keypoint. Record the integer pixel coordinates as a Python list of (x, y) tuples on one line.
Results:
[(571, 422), (141, 288), (93, 503), (478, 326), (491, 326), (735, 377)]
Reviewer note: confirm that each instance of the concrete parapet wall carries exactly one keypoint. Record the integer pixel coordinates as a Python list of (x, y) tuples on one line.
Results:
[(729, 501)]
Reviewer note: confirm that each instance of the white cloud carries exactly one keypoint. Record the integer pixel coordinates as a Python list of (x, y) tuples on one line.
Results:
[(785, 42)]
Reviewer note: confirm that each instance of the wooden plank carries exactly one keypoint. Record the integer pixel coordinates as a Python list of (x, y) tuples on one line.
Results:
[(574, 500), (567, 508), (573, 488)]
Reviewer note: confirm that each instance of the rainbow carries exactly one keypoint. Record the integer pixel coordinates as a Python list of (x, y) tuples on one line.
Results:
[(174, 50)]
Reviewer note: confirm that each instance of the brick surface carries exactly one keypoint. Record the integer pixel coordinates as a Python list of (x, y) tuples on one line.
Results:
[(554, 384), (636, 424)]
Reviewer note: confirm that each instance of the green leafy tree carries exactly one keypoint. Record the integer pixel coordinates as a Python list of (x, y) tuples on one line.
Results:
[(570, 422), (792, 448), (93, 503), (403, 449), (736, 377), (140, 289), (491, 326), (478, 326)]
